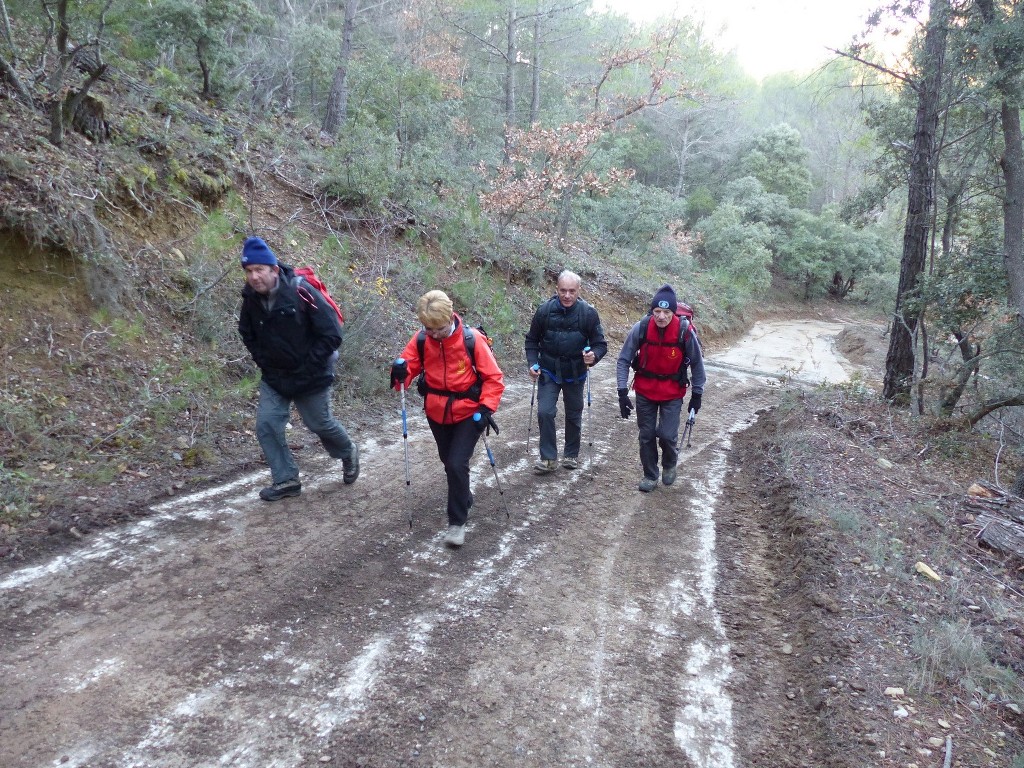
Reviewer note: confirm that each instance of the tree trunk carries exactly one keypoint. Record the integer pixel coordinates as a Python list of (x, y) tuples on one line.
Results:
[(1008, 61), (510, 67), (8, 73), (510, 79), (337, 99), (1013, 207), (204, 67), (899, 361), (535, 73), (950, 395)]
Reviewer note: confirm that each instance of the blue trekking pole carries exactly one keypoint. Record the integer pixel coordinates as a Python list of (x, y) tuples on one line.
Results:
[(490, 458), (405, 443), (533, 396), (590, 434)]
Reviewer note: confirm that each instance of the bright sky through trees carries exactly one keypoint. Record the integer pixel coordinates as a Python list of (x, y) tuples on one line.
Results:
[(769, 36)]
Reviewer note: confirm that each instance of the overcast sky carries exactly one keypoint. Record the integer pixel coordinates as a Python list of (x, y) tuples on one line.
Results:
[(768, 36)]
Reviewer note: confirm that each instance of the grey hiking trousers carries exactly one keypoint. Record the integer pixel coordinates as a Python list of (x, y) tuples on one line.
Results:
[(272, 415), (659, 428)]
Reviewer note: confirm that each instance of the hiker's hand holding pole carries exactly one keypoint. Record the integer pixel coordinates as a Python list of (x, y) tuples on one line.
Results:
[(589, 357), (399, 372), (694, 406), (535, 372), (483, 419)]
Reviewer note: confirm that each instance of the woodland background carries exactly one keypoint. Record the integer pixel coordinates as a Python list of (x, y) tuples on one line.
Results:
[(478, 146)]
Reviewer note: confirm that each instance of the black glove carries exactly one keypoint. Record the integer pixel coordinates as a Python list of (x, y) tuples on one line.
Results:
[(625, 406), (485, 420), (694, 404), (399, 372)]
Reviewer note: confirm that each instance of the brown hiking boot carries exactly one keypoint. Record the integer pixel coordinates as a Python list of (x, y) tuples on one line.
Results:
[(545, 466)]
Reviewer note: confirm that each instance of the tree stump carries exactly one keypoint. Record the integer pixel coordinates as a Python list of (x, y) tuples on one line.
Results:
[(89, 120), (998, 517)]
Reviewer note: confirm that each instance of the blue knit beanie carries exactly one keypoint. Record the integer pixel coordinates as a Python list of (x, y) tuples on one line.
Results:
[(255, 251), (665, 298)]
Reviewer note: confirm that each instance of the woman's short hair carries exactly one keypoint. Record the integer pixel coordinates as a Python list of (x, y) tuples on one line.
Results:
[(434, 309)]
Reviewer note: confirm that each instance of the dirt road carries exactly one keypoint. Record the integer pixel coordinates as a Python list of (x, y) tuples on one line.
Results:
[(581, 625)]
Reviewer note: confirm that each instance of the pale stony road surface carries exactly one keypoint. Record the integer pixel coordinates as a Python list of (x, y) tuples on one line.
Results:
[(578, 626)]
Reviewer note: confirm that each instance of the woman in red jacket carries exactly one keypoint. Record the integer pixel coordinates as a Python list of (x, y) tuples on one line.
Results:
[(457, 385)]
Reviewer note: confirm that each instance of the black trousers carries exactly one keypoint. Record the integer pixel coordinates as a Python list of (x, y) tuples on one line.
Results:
[(455, 446)]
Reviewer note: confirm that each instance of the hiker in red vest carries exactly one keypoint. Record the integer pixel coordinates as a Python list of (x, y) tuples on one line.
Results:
[(457, 385), (293, 335), (660, 348)]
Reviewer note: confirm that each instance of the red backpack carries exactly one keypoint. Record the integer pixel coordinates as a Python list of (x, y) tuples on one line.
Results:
[(685, 310), (309, 275)]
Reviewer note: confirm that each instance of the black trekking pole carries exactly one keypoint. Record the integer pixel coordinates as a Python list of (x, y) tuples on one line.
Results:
[(405, 444), (490, 458), (590, 433), (688, 429), (533, 396)]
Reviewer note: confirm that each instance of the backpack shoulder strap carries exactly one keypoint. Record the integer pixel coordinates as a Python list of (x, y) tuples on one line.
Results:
[(685, 330), (645, 323), (470, 339), (421, 340)]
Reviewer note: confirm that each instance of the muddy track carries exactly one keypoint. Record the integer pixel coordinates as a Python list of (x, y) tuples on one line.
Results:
[(580, 629)]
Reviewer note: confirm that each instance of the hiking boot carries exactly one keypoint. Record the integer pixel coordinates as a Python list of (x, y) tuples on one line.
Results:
[(647, 485), (668, 475), (570, 462), (455, 536), (350, 466), (545, 466), (281, 490)]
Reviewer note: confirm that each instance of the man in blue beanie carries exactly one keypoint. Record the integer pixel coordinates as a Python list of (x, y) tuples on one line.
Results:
[(293, 335)]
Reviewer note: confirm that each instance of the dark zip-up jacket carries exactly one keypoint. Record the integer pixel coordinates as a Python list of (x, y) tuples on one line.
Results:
[(295, 342), (558, 335)]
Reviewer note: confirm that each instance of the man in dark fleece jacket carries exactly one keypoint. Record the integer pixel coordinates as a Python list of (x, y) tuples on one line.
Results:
[(565, 339), (293, 335)]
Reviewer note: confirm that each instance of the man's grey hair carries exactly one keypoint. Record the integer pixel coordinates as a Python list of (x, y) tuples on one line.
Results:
[(569, 274)]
